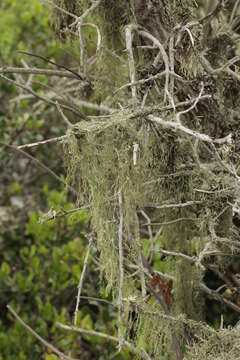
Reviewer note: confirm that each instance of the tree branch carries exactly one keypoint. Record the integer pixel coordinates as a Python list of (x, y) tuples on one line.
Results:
[(41, 165), (38, 337), (142, 354)]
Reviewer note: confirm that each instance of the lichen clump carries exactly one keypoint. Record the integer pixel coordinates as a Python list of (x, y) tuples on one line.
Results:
[(169, 176)]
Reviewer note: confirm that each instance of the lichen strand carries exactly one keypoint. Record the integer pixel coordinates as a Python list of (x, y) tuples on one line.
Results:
[(105, 161), (151, 330), (221, 345), (154, 330)]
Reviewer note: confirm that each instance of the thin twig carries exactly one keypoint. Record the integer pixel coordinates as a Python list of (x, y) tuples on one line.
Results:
[(164, 56), (99, 40), (171, 221), (178, 126), (80, 285), (52, 140), (140, 261), (91, 298), (89, 105), (38, 71), (60, 8), (192, 259), (131, 347), (65, 119), (128, 34), (41, 97), (149, 232), (79, 23), (135, 151), (180, 113), (168, 206), (234, 10), (51, 215), (81, 46), (77, 75), (38, 337), (219, 7), (41, 165), (216, 296), (86, 13), (121, 270), (171, 64), (150, 78)]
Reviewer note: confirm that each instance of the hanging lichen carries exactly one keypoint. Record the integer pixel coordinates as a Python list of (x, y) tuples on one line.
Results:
[(164, 170)]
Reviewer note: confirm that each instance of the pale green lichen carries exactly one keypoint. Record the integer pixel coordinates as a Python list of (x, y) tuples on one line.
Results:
[(170, 168), (222, 345)]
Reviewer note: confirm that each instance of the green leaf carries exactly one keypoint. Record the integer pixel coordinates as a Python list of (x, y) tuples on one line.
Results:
[(47, 311), (51, 357), (5, 269)]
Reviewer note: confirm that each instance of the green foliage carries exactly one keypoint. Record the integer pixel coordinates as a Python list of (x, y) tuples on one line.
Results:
[(18, 20), (41, 276)]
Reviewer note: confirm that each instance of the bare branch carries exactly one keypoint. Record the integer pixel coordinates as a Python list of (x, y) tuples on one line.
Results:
[(38, 71), (121, 271), (164, 56), (43, 142), (42, 97), (65, 119), (151, 78), (234, 10), (128, 34), (178, 115), (80, 285), (212, 294), (142, 354), (149, 231), (86, 13), (178, 126), (38, 337), (51, 215), (60, 8), (168, 206), (41, 165), (171, 64), (93, 299), (192, 259), (77, 75)]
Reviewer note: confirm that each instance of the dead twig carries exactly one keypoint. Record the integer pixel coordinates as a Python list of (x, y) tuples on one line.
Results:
[(121, 270), (43, 142), (41, 165), (142, 354), (80, 285), (38, 337)]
